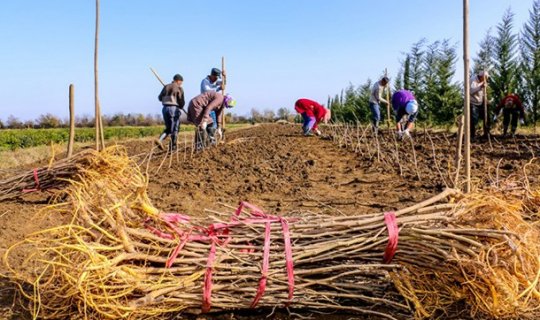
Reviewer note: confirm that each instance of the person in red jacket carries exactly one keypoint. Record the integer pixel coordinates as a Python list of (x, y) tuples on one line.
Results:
[(312, 114), (512, 109)]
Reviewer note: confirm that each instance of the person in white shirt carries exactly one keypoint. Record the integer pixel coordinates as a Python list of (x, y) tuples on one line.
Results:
[(212, 82), (478, 83), (375, 99)]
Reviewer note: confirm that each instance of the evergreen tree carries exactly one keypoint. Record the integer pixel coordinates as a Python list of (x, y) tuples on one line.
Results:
[(398, 82), (448, 98), (417, 70), (429, 85), (484, 59), (530, 55), (503, 79), (407, 73)]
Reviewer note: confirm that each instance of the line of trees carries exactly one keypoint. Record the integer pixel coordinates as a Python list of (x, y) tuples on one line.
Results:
[(429, 70)]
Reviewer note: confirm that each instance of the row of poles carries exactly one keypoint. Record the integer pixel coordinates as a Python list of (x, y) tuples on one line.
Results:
[(100, 141)]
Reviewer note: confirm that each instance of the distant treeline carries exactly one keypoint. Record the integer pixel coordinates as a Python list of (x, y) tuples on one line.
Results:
[(49, 121), (429, 70)]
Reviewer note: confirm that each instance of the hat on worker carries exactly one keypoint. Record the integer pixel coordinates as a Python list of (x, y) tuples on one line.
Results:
[(229, 101), (178, 77), (483, 73), (215, 72), (411, 107)]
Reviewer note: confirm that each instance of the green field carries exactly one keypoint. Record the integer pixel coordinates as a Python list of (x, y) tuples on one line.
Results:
[(12, 139)]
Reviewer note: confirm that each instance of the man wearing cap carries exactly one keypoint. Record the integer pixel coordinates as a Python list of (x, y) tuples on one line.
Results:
[(213, 83), (375, 99), (312, 114), (404, 103), (512, 109), (172, 98), (478, 83), (199, 110)]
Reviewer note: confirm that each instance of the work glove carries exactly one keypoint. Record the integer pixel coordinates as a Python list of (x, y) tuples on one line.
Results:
[(406, 134), (521, 121), (399, 134), (203, 125), (318, 132), (495, 118)]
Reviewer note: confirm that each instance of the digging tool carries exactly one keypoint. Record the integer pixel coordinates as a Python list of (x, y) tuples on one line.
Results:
[(163, 83), (387, 99), (157, 76)]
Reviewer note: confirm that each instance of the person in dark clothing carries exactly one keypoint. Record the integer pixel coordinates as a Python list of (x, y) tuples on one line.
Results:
[(172, 98), (512, 110)]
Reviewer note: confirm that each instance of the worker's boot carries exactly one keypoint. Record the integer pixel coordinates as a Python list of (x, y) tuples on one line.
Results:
[(159, 141), (200, 139), (172, 145), (211, 135)]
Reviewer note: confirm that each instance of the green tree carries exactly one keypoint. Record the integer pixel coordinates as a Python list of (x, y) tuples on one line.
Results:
[(398, 82), (417, 68), (503, 78), (407, 73), (448, 98), (484, 57), (530, 57)]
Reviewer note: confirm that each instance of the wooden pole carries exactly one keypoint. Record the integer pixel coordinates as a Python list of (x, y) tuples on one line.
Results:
[(71, 120), (467, 89), (457, 160), (224, 85), (96, 92), (101, 131), (388, 121), (486, 114)]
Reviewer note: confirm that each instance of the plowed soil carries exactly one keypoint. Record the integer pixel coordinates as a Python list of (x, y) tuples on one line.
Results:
[(278, 169)]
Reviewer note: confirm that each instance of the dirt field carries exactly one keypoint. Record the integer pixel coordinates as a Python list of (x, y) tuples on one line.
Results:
[(276, 168)]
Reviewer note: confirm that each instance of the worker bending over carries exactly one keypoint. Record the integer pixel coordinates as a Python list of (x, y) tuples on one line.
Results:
[(199, 114), (312, 114), (512, 110), (404, 104)]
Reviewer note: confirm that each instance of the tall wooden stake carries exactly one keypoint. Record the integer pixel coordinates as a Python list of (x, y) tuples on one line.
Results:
[(96, 96), (224, 84), (457, 161), (467, 89), (388, 121), (71, 120), (486, 114)]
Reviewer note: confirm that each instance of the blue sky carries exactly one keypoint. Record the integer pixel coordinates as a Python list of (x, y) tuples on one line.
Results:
[(276, 51)]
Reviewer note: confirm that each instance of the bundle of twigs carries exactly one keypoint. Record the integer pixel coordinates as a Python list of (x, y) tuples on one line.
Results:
[(123, 258), (56, 175)]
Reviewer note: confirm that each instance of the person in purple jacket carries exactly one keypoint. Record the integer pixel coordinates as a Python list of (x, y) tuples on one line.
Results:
[(404, 103)]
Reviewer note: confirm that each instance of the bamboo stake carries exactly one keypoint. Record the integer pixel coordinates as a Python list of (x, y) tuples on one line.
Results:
[(466, 84), (101, 131), (71, 120), (486, 119), (387, 99), (97, 112), (458, 151), (224, 85)]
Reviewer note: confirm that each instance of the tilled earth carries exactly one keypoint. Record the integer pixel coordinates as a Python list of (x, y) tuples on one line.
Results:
[(278, 169)]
